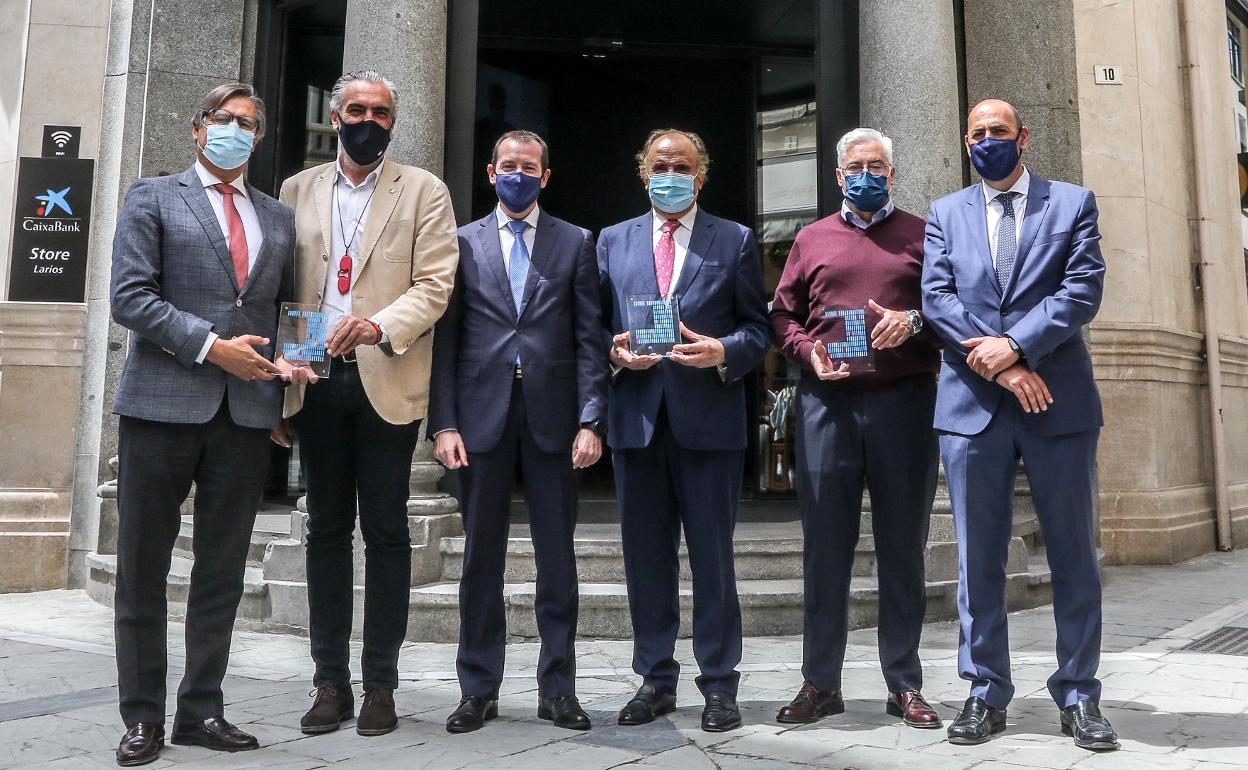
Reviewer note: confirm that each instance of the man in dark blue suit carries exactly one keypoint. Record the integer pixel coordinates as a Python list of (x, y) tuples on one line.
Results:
[(519, 380), (677, 426), (1012, 272)]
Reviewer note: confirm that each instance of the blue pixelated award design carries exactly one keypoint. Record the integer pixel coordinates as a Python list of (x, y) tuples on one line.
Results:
[(653, 325), (849, 340), (303, 332)]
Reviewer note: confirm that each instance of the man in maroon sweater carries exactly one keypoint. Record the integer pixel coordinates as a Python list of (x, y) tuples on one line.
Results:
[(858, 424)]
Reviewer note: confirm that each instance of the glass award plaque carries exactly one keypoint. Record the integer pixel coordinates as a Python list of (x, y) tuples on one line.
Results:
[(303, 331), (653, 325), (849, 338)]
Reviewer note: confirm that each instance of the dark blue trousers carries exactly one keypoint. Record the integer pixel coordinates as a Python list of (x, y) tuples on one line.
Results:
[(549, 484), (882, 440), (662, 488), (1062, 470)]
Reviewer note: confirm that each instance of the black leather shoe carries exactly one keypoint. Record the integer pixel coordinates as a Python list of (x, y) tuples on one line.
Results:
[(141, 744), (377, 715), (976, 723), (721, 713), (565, 712), (472, 714), (216, 734), (647, 705), (331, 708), (1088, 727)]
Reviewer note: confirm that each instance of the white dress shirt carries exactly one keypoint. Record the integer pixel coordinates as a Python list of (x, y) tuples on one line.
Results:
[(996, 210), (507, 239), (348, 215), (251, 226), (680, 235)]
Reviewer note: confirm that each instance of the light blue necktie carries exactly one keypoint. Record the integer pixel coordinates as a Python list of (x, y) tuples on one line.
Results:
[(519, 262), (1007, 239)]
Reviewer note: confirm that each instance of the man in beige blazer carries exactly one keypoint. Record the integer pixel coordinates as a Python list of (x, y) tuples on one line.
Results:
[(375, 242)]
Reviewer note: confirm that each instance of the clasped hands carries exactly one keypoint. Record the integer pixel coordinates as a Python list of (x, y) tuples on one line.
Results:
[(701, 352), (993, 359)]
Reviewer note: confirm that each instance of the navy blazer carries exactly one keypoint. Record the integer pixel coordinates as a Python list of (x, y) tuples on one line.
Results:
[(720, 292), (1054, 291), (555, 331)]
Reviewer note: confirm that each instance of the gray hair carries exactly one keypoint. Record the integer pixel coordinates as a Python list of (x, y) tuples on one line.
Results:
[(373, 76), (222, 94), (861, 136), (704, 158)]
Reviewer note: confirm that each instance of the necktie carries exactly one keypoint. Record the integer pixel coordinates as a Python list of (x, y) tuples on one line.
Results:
[(1007, 239), (519, 263), (665, 256), (238, 236)]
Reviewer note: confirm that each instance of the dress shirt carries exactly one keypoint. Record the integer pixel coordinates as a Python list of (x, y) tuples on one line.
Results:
[(349, 207), (507, 239), (680, 235), (996, 210), (852, 217), (251, 226)]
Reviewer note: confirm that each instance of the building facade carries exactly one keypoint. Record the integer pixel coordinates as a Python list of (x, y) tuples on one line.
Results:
[(1142, 101)]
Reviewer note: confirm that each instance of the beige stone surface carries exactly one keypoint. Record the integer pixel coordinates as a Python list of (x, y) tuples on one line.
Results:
[(32, 561)]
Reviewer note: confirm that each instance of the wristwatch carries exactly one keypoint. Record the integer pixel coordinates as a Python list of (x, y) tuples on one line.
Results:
[(599, 427), (1014, 346), (916, 321)]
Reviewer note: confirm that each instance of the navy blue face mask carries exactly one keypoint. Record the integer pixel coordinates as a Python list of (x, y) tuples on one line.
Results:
[(517, 190), (866, 191), (995, 159)]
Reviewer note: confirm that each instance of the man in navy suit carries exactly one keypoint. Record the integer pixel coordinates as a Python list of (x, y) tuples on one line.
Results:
[(677, 426), (1012, 272), (519, 380)]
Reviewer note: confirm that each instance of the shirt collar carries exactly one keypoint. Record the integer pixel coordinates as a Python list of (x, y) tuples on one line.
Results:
[(686, 221), (208, 180), (852, 217), (1021, 186), (501, 217), (369, 180)]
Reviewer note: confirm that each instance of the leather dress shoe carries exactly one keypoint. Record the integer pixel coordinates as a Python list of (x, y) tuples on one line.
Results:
[(377, 715), (565, 712), (810, 704), (331, 708), (472, 714), (913, 709), (647, 705), (216, 734), (141, 744), (1084, 722), (976, 723), (721, 713)]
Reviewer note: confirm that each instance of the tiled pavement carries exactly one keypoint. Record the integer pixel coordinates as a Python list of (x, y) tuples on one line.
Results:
[(1174, 709)]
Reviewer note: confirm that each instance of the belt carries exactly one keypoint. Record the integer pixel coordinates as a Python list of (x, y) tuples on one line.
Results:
[(348, 358)]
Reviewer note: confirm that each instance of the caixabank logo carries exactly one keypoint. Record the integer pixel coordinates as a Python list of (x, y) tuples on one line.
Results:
[(47, 206)]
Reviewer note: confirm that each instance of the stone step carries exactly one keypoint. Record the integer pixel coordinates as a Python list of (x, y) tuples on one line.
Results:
[(254, 607), (269, 526)]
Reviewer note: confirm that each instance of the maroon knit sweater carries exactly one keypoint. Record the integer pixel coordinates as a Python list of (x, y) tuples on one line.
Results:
[(834, 263)]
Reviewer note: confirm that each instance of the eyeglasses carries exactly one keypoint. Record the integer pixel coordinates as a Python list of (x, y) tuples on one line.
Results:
[(876, 167), (344, 275), (224, 117)]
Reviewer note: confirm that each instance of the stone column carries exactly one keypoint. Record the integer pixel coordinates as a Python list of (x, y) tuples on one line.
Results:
[(913, 98), (405, 40)]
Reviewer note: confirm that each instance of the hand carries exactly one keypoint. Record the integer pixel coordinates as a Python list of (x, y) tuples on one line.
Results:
[(449, 449), (299, 375), (283, 434), (1028, 387), (239, 358), (622, 356), (586, 448), (989, 355), (893, 328), (701, 352), (821, 362), (350, 333)]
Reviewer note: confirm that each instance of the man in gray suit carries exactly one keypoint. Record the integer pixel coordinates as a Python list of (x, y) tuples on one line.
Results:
[(201, 263)]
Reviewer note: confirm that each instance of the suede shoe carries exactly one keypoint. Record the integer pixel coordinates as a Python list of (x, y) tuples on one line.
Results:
[(810, 704), (647, 705), (1084, 722), (721, 713), (976, 723), (215, 733), (565, 712), (331, 708), (472, 714), (377, 715), (141, 744)]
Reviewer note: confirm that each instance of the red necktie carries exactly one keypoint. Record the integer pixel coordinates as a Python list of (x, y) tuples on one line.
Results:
[(238, 236), (665, 256)]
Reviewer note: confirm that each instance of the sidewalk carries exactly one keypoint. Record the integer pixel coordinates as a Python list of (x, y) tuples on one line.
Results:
[(1172, 708)]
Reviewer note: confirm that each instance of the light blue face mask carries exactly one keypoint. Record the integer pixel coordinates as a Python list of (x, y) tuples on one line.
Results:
[(228, 146), (672, 193)]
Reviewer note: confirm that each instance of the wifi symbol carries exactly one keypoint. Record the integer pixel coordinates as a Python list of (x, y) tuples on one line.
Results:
[(61, 138)]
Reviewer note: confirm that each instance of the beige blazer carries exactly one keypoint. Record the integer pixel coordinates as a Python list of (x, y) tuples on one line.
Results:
[(407, 271)]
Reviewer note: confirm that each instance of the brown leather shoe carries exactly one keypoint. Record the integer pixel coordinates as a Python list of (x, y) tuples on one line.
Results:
[(913, 709), (141, 744), (810, 704)]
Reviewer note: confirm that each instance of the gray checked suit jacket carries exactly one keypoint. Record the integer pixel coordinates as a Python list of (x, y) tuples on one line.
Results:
[(173, 282)]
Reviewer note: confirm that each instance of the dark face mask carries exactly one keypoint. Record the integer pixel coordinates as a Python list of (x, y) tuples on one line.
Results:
[(365, 142), (995, 159)]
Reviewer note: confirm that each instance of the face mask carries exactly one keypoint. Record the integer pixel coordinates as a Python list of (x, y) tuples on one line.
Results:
[(995, 159), (364, 142), (866, 191), (672, 193), (228, 146), (517, 190)]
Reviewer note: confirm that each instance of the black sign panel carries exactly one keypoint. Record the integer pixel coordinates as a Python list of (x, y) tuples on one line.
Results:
[(51, 229), (61, 141)]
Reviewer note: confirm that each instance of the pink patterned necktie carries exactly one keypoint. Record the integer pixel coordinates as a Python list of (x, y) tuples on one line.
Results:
[(665, 256)]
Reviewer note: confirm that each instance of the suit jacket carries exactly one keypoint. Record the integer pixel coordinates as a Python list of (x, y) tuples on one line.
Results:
[(1054, 291), (406, 273), (173, 282), (720, 293), (557, 332)]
